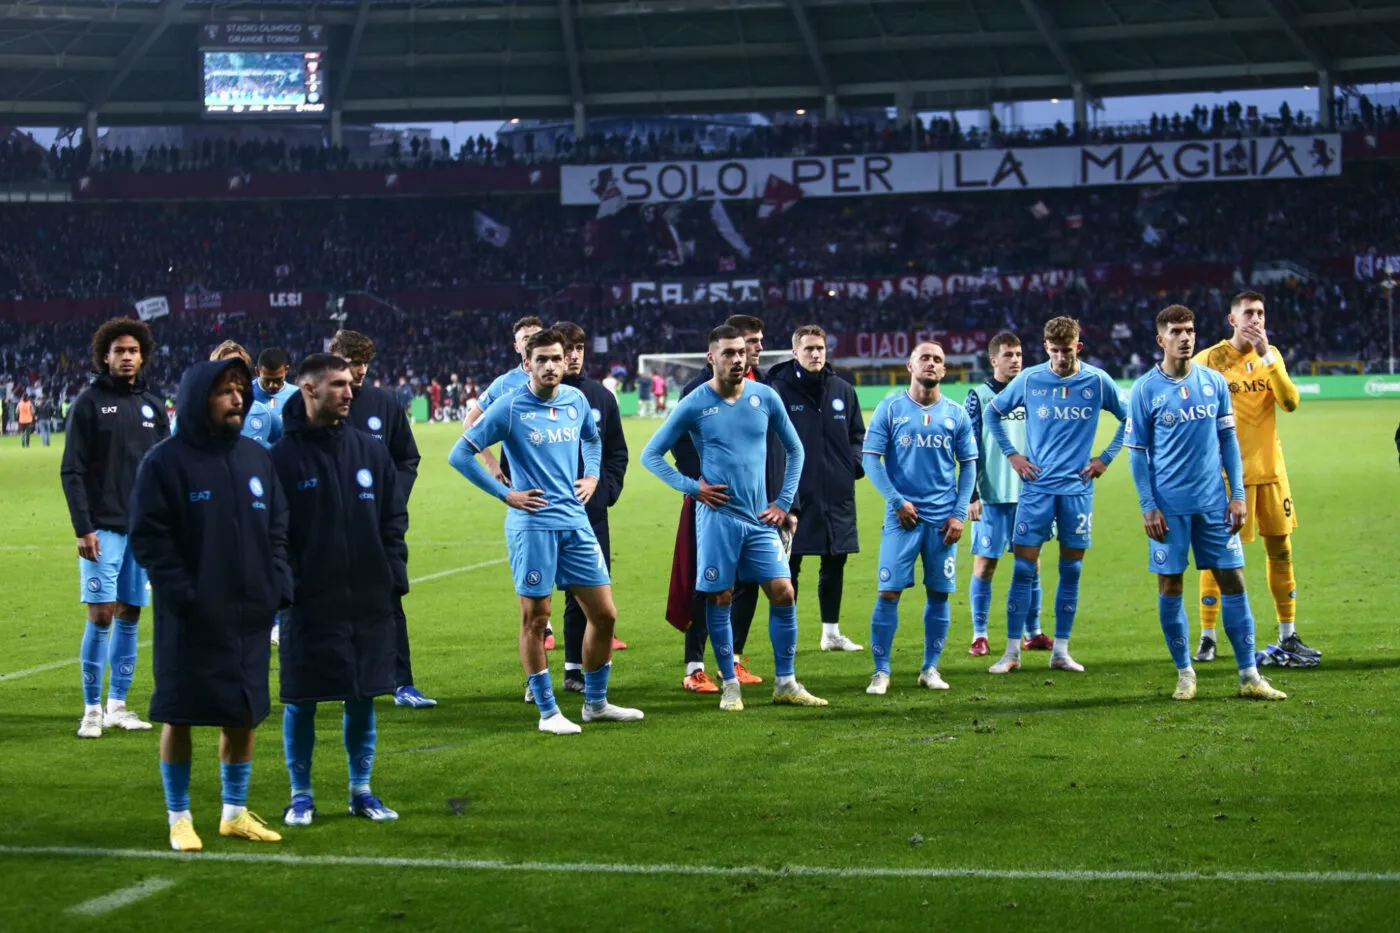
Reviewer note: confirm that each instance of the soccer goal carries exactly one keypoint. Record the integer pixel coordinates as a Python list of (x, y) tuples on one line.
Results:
[(680, 368)]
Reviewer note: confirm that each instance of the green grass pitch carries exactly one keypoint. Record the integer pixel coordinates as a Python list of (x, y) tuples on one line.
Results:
[(911, 810)]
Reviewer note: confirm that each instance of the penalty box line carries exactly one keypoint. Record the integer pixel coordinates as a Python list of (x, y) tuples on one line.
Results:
[(708, 871), (56, 665)]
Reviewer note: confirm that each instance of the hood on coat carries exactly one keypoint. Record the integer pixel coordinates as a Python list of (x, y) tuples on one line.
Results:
[(192, 402)]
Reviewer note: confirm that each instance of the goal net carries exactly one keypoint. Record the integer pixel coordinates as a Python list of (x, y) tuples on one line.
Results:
[(680, 368)]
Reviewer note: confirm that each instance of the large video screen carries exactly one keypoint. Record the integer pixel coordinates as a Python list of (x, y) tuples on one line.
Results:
[(263, 84)]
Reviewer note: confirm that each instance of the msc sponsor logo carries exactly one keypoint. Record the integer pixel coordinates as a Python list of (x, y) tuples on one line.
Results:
[(1190, 413), (936, 441)]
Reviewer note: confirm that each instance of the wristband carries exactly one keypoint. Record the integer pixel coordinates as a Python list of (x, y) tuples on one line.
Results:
[(1268, 359)]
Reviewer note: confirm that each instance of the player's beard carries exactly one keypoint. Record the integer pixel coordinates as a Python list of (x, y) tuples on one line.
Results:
[(927, 382)]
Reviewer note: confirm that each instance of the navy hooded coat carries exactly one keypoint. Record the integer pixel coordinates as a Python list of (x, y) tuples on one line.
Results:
[(209, 524), (348, 557)]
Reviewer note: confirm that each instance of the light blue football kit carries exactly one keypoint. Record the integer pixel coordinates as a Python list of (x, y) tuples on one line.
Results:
[(1180, 434), (503, 385), (732, 544), (1062, 417), (259, 424), (924, 455), (275, 401), (554, 547)]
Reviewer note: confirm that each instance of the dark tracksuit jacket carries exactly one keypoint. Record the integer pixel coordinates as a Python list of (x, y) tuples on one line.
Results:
[(209, 524), (110, 427), (378, 413), (826, 414), (348, 558)]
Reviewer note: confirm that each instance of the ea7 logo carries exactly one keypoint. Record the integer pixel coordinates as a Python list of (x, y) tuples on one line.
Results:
[(109, 410), (199, 495), (709, 411)]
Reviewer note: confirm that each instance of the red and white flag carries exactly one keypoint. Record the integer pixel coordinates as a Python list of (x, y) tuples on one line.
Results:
[(610, 199), (778, 196)]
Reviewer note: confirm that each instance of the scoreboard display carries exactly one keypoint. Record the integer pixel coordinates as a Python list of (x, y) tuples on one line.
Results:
[(262, 70)]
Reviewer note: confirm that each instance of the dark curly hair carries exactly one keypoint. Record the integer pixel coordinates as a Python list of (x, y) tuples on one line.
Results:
[(352, 346), (121, 327)]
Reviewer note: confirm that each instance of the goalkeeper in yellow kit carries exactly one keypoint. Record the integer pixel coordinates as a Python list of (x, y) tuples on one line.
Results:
[(1258, 381)]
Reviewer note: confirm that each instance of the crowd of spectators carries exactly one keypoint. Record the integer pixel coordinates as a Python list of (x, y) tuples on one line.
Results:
[(128, 251), (461, 351), (783, 137)]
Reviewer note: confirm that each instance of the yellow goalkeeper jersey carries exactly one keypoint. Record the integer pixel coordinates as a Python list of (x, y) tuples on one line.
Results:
[(1256, 387)]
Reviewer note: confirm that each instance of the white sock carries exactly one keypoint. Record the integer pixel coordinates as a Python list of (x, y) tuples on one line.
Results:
[(786, 681), (694, 666), (572, 667), (92, 708), (734, 681), (174, 816), (1208, 634), (358, 789), (115, 706), (1013, 648), (1286, 630), (1249, 675), (831, 630), (1061, 649), (231, 812), (1187, 672)]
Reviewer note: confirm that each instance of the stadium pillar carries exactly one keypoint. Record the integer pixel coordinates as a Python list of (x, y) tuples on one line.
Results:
[(90, 134), (1324, 99), (833, 110), (580, 121), (337, 137), (1081, 106)]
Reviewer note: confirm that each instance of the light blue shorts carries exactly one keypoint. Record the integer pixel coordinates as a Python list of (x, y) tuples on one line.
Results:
[(900, 547), (729, 550), (991, 536), (114, 577), (545, 560), (1207, 536), (1040, 516)]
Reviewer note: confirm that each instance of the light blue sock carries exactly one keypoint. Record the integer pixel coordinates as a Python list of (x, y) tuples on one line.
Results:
[(721, 638), (1238, 621), (175, 778), (782, 630), (1176, 629), (360, 738), (1018, 601), (595, 686), (234, 778), (1067, 597), (1033, 617), (884, 622), (980, 594), (122, 659), (93, 655), (298, 741), (543, 689), (938, 617)]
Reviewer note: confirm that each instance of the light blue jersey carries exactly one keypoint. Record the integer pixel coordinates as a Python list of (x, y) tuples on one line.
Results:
[(922, 447), (503, 385), (543, 440), (1062, 416), (1179, 423), (732, 440), (259, 424), (274, 402)]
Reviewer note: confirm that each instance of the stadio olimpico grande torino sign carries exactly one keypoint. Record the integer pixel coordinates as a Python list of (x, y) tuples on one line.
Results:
[(1158, 163)]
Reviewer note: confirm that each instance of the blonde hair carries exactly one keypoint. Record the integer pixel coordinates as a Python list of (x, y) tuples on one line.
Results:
[(231, 348)]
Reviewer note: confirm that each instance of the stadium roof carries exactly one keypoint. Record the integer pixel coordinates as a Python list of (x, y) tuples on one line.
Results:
[(134, 61)]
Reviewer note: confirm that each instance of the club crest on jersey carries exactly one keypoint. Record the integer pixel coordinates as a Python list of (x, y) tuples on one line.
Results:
[(364, 477), (1207, 390), (573, 413), (1087, 392), (255, 486), (374, 424), (255, 423), (148, 411), (1060, 392), (597, 416), (838, 404), (753, 401), (949, 423)]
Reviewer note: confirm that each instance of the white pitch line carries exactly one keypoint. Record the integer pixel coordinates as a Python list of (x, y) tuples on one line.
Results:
[(55, 665), (110, 902), (719, 871), (447, 573)]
